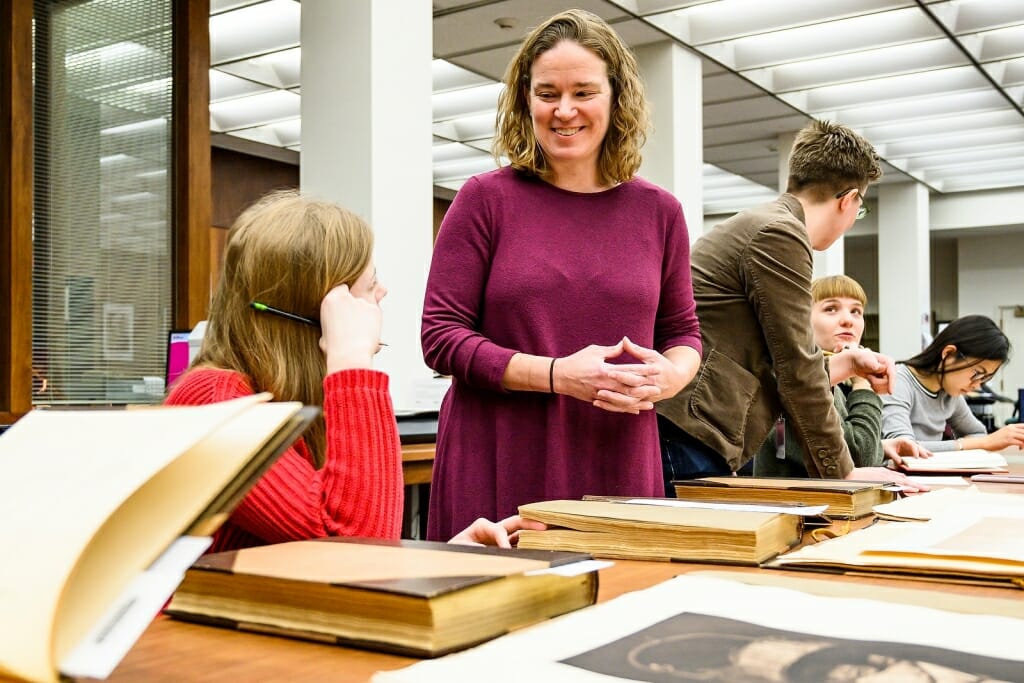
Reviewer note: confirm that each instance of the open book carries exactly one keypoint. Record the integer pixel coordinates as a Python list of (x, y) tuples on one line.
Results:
[(637, 530), (104, 510), (696, 628), (968, 545), (966, 462), (924, 506), (411, 597), (846, 499)]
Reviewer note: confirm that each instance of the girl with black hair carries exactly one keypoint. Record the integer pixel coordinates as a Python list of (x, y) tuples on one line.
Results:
[(931, 388)]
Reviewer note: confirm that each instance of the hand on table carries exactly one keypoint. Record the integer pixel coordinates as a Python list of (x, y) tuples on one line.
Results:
[(503, 534)]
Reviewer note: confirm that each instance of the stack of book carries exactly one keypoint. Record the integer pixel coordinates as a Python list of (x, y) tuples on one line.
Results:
[(640, 530), (845, 499)]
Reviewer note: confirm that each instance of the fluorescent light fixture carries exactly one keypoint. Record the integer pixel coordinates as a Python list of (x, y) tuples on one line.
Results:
[(224, 86), (464, 168), (247, 112), (878, 29), (448, 76), (887, 61), (935, 82), (942, 126), (281, 134), (456, 103), (467, 128), (945, 104), (453, 151), (254, 30), (280, 69)]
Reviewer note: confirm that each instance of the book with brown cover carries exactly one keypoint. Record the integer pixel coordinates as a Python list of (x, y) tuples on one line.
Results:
[(627, 530), (846, 499), (106, 510), (416, 598)]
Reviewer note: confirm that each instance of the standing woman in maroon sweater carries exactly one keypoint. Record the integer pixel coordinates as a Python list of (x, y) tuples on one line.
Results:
[(559, 296)]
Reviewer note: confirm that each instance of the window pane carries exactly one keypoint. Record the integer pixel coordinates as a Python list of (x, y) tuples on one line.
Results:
[(102, 231)]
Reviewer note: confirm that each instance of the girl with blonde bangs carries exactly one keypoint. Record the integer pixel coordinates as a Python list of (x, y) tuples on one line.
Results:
[(565, 275), (297, 313), (837, 320)]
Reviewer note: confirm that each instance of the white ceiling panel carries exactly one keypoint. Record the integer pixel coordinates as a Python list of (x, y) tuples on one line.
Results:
[(946, 109)]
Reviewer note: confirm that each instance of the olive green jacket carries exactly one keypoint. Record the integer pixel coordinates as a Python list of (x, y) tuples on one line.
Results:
[(861, 413), (752, 284)]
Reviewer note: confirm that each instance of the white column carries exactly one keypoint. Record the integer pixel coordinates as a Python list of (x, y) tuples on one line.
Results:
[(904, 285), (674, 153), (366, 143)]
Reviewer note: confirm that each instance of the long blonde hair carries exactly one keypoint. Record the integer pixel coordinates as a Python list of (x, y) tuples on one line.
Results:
[(287, 251), (627, 131)]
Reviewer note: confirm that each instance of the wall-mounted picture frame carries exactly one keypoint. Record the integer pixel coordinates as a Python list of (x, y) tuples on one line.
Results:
[(118, 332)]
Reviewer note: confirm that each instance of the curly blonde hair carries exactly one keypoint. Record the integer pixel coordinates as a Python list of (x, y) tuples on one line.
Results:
[(287, 251), (627, 130)]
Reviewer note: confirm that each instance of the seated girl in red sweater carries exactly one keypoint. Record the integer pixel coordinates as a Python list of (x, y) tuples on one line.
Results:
[(312, 259)]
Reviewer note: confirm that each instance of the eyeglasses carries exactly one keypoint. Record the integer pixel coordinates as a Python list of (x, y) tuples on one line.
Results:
[(863, 210), (981, 377)]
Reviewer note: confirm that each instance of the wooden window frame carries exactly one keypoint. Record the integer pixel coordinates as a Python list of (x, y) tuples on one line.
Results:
[(191, 272)]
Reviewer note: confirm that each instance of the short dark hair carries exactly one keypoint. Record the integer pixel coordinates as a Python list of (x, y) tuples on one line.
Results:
[(828, 158), (974, 336)]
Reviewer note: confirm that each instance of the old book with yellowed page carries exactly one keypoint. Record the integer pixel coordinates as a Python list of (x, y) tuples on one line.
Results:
[(846, 499), (103, 511), (924, 506), (967, 462), (411, 597), (984, 545), (652, 532)]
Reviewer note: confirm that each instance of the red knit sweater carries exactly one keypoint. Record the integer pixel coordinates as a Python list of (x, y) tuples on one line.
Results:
[(358, 491)]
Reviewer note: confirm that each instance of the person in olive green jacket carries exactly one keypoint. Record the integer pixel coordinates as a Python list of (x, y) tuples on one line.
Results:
[(837, 320), (751, 281)]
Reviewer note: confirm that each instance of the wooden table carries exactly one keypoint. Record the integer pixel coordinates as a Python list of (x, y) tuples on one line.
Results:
[(176, 651), (417, 463)]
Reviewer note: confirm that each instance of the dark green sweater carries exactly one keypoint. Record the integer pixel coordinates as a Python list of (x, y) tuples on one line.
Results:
[(861, 416)]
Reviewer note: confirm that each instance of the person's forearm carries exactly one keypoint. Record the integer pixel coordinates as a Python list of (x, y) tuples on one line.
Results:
[(526, 372), (686, 361)]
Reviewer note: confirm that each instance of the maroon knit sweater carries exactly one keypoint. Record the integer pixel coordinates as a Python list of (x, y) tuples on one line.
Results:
[(358, 491)]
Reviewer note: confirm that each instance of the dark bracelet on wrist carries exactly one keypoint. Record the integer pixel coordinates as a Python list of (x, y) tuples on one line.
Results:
[(551, 377)]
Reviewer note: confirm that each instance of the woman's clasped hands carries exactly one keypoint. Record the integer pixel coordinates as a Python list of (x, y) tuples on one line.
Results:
[(617, 387)]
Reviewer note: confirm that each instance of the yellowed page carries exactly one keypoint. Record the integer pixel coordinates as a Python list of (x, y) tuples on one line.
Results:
[(588, 515), (924, 506), (62, 475), (980, 533), (854, 550), (327, 562)]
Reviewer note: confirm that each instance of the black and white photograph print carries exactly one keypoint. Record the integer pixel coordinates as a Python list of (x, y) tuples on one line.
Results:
[(699, 647)]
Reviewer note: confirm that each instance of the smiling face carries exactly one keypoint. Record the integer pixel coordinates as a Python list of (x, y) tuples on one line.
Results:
[(837, 322), (570, 105)]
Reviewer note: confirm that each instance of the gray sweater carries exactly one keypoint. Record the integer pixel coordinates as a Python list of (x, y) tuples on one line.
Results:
[(915, 412)]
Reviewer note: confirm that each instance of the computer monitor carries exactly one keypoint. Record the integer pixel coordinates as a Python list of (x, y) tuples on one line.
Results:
[(177, 355)]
